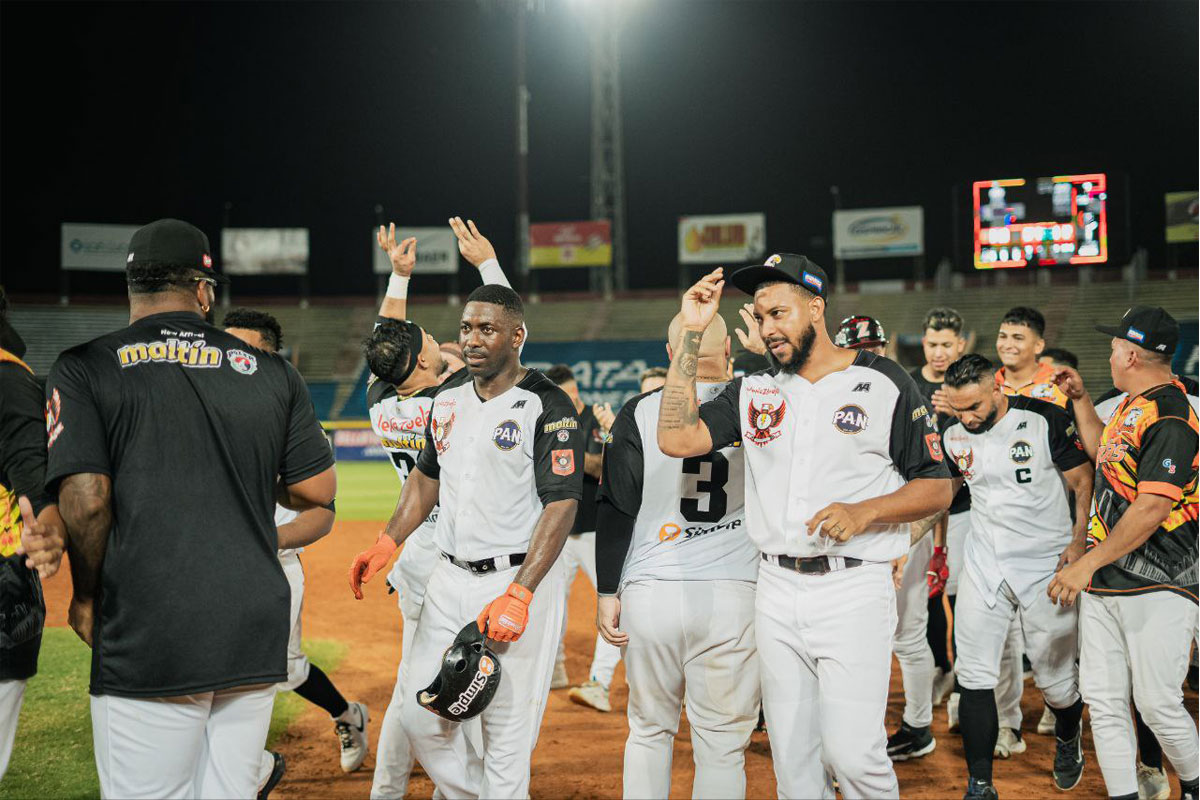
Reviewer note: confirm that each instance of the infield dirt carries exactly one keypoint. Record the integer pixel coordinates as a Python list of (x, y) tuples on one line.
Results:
[(580, 751)]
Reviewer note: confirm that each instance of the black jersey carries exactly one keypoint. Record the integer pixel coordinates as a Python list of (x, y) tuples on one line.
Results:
[(962, 500), (195, 429), (593, 443)]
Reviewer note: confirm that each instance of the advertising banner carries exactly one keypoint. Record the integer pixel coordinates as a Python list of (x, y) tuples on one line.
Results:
[(879, 232), (437, 251), (722, 239), (264, 251), (570, 244), (1182, 224), (94, 246), (607, 372)]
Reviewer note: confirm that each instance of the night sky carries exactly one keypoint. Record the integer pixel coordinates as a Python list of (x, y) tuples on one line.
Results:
[(308, 114)]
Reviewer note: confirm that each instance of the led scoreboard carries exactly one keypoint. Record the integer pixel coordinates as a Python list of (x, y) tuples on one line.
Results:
[(1044, 221)]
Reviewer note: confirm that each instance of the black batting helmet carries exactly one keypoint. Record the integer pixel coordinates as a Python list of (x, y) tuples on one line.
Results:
[(467, 681), (858, 332)]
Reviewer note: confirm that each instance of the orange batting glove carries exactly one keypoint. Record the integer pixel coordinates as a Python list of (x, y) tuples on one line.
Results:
[(504, 618), (370, 561)]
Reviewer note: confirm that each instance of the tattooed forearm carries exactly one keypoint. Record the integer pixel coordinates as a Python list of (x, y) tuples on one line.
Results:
[(689, 350), (679, 406), (84, 501)]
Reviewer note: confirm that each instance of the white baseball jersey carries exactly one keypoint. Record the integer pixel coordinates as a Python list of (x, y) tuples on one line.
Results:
[(400, 422), (690, 516), (1020, 520), (500, 462), (856, 434)]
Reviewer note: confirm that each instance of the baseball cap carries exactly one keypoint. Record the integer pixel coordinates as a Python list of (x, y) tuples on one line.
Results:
[(860, 331), (787, 267), (1149, 327), (173, 242)]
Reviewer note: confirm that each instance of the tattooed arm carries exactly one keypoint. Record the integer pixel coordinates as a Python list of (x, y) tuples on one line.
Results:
[(85, 503), (681, 432)]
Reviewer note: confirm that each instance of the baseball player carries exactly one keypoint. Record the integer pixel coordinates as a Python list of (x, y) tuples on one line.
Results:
[(31, 533), (651, 379), (840, 453), (169, 442), (942, 342), (503, 456), (1138, 578), (676, 574), (580, 549), (407, 364), (911, 645), (297, 529), (1016, 453)]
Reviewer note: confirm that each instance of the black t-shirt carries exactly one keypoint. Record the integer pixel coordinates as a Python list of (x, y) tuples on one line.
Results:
[(593, 443), (962, 500), (195, 428)]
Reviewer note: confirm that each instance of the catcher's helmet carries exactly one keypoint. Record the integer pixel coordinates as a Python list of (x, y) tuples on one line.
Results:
[(858, 332), (467, 681)]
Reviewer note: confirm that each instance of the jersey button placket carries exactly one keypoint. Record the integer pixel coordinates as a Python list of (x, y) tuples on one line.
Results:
[(802, 454)]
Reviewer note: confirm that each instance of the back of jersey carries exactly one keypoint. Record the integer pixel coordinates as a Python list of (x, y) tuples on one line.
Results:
[(691, 522)]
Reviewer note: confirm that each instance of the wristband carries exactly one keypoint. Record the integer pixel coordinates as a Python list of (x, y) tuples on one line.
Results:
[(397, 287), (491, 272)]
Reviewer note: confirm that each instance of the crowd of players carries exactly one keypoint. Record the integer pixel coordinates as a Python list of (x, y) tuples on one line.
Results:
[(763, 534)]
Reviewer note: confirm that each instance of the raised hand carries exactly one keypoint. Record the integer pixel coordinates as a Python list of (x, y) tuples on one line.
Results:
[(750, 338), (1070, 382), (701, 301), (604, 416), (473, 245), (403, 255)]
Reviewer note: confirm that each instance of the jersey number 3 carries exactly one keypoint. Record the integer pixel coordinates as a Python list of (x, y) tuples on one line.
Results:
[(712, 489)]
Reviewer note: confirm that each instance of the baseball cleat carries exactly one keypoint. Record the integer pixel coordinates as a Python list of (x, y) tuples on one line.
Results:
[(1068, 761), (952, 711), (1046, 723), (560, 680), (1009, 743), (351, 730), (980, 790), (1152, 783), (910, 742), (943, 686), (277, 772), (592, 694)]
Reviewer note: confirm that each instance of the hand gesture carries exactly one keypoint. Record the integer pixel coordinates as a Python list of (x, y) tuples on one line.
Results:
[(42, 538), (1070, 382), (473, 245), (608, 620), (1068, 582), (841, 521), (750, 338), (700, 302), (604, 416), (403, 256), (940, 404)]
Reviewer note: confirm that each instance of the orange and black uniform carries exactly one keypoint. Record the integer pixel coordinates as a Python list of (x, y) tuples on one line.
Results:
[(1040, 387), (1149, 446)]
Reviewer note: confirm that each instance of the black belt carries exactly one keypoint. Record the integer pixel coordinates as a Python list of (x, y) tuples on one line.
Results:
[(816, 565), (487, 564)]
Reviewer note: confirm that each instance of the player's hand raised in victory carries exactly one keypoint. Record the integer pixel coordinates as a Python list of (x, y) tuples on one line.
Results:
[(403, 255), (700, 303), (473, 245)]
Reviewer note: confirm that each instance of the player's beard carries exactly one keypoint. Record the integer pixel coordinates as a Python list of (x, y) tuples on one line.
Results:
[(801, 351), (987, 423)]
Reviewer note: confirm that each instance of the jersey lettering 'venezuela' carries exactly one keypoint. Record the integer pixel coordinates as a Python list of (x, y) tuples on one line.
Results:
[(1020, 519), (856, 434), (195, 428), (1149, 446), (690, 521), (500, 462)]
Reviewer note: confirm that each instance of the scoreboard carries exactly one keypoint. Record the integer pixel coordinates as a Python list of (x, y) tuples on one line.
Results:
[(1041, 221)]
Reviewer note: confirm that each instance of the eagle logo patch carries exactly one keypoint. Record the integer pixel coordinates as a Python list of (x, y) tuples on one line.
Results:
[(764, 422)]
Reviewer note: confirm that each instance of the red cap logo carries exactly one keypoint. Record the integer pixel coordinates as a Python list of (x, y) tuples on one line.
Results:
[(207, 260)]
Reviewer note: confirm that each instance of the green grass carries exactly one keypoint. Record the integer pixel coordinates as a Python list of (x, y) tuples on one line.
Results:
[(366, 490), (52, 756)]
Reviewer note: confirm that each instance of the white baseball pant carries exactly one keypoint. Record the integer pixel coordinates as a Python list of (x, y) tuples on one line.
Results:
[(958, 526), (1049, 633), (1011, 684), (297, 661), (825, 657), (205, 745), (580, 553), (1137, 644), (911, 642), (393, 753), (11, 694), (693, 641), (511, 721)]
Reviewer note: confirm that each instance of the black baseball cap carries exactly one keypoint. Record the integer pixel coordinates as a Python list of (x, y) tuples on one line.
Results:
[(860, 331), (787, 267), (1149, 327), (173, 242)]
